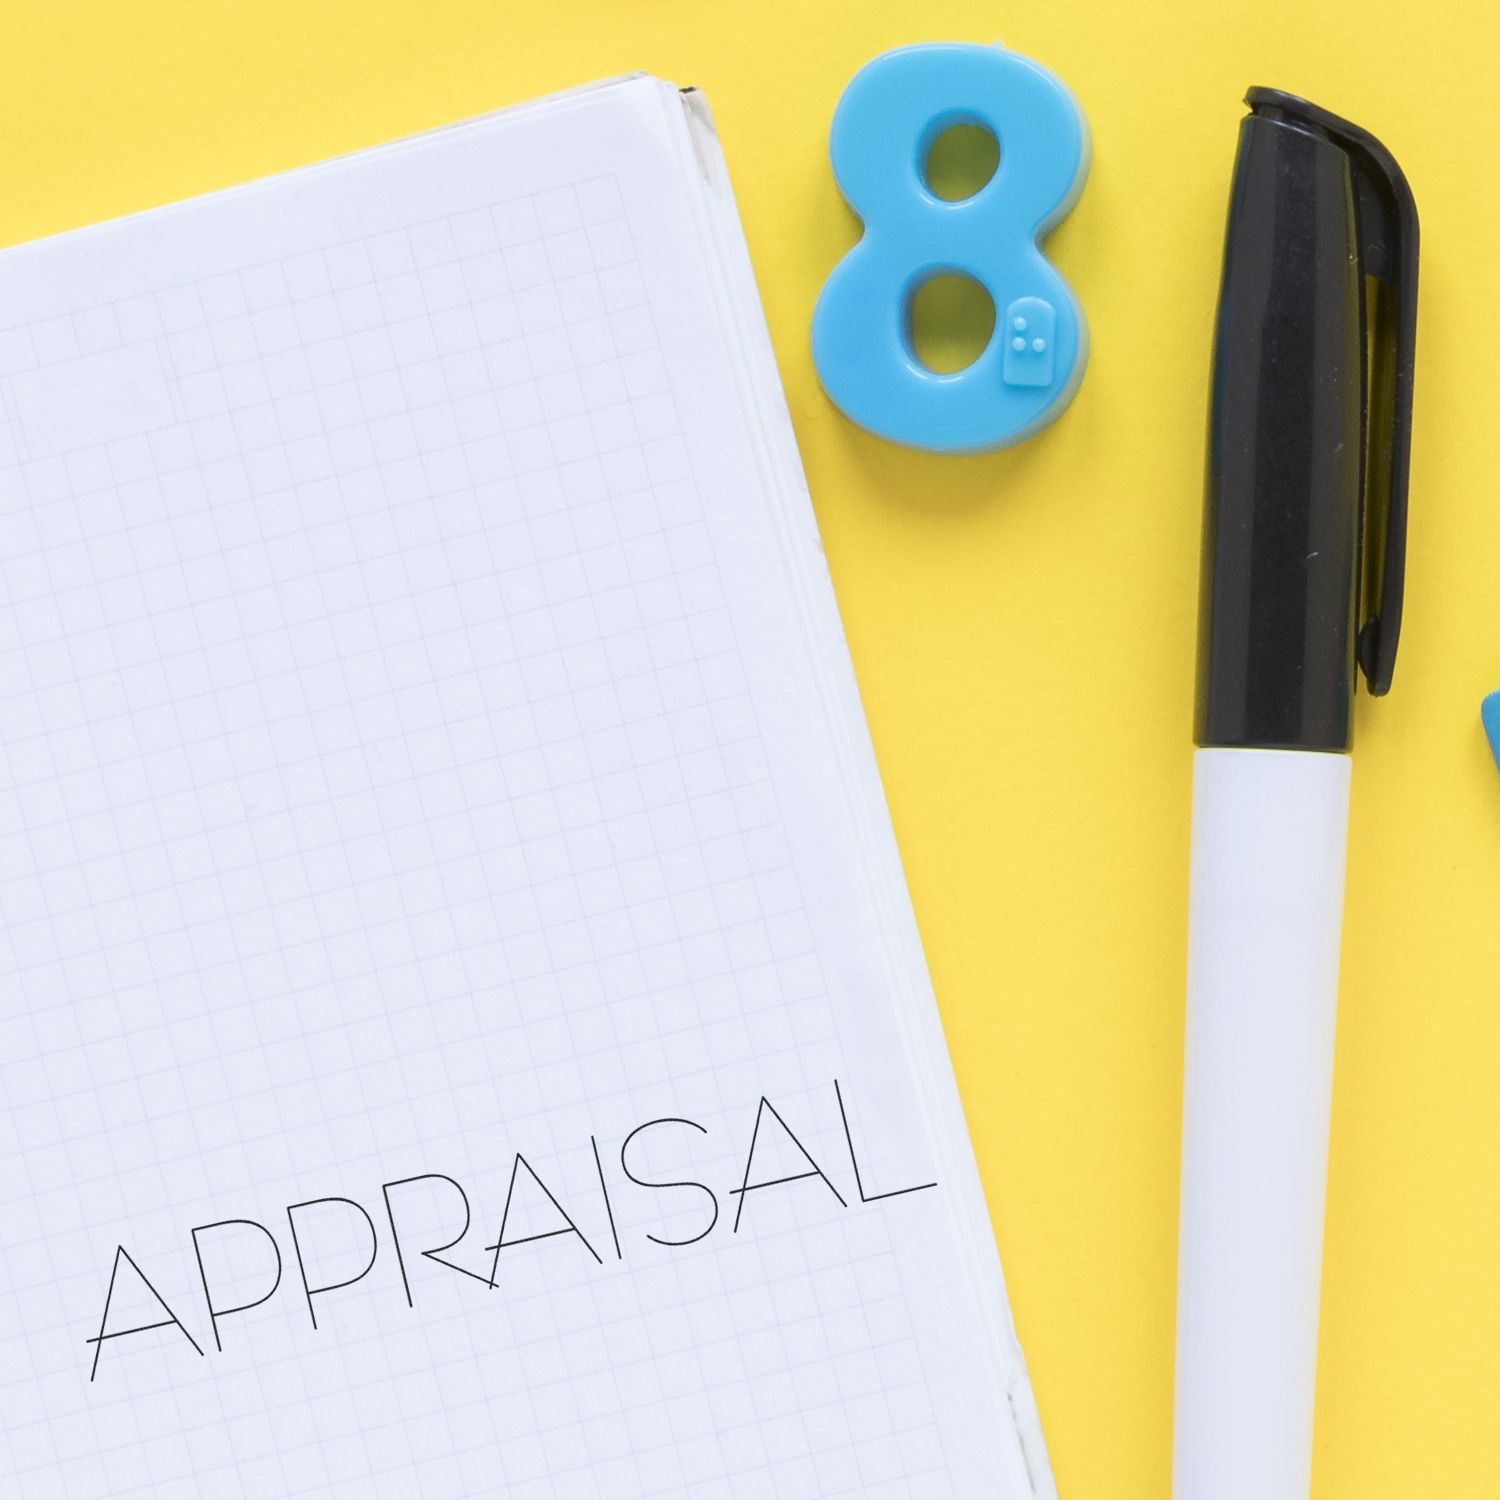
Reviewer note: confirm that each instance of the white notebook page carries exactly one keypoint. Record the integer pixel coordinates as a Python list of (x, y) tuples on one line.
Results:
[(435, 816)]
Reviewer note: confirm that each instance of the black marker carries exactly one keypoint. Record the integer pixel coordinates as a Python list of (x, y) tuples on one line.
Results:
[(1303, 556)]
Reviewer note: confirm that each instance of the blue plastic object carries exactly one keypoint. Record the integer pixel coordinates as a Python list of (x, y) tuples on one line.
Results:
[(893, 110), (1490, 713)]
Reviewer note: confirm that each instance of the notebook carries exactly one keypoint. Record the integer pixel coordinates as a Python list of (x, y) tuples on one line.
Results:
[(463, 1030)]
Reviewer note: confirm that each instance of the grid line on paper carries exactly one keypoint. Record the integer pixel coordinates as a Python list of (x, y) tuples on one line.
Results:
[(633, 865)]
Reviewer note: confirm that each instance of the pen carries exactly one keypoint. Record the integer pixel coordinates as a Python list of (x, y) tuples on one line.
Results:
[(1303, 560)]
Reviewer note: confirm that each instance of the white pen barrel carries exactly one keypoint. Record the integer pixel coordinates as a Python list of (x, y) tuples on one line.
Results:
[(1270, 830)]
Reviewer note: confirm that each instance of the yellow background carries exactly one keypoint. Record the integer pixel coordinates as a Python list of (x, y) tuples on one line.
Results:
[(1023, 624)]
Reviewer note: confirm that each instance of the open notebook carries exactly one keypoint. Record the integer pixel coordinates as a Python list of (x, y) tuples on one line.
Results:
[(462, 1026)]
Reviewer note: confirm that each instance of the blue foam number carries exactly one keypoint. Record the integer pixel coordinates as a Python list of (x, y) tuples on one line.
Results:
[(1491, 715), (883, 129)]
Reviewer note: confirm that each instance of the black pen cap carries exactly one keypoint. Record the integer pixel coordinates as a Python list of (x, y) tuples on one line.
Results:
[(1309, 432)]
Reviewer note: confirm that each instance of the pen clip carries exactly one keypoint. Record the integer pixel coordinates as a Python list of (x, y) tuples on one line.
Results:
[(1387, 238), (1388, 256)]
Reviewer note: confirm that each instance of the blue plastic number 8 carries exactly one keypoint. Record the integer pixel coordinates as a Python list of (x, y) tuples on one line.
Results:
[(892, 111)]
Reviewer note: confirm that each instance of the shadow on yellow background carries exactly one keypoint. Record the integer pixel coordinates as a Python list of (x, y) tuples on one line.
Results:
[(1023, 623)]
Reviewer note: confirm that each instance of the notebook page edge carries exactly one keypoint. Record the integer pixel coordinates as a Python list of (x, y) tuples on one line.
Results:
[(823, 631)]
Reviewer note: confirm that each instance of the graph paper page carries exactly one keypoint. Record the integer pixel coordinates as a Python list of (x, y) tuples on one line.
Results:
[(462, 1030)]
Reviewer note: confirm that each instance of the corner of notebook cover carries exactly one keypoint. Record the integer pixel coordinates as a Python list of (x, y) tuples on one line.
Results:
[(704, 134), (1027, 1422)]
